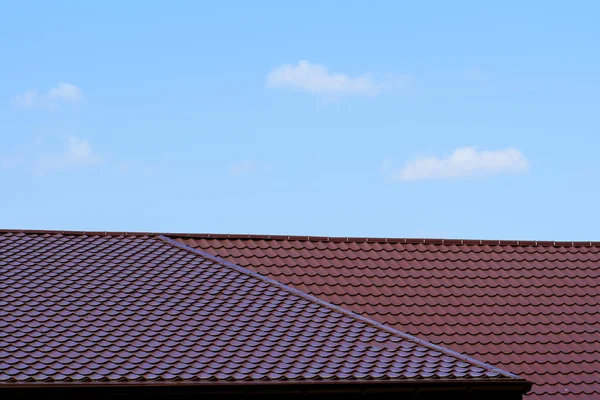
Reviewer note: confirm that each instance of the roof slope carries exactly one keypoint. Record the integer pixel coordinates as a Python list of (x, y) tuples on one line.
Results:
[(102, 309), (532, 308)]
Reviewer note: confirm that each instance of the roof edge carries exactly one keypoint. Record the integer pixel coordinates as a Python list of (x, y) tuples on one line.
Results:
[(498, 384), (234, 236), (348, 313)]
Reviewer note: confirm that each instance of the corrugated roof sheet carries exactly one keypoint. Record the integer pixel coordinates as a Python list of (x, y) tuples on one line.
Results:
[(532, 308), (116, 308)]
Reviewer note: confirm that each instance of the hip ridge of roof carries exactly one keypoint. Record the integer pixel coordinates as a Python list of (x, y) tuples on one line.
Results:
[(341, 310)]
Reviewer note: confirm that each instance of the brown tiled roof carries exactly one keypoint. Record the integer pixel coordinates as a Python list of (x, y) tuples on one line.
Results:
[(532, 308), (77, 308)]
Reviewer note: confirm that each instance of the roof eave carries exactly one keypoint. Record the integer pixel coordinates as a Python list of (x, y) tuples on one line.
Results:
[(305, 386)]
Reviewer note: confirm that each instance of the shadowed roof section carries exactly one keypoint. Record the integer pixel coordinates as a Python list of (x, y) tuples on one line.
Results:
[(528, 307), (113, 308)]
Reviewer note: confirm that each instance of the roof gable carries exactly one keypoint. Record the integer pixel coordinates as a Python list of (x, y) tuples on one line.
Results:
[(528, 307), (116, 308)]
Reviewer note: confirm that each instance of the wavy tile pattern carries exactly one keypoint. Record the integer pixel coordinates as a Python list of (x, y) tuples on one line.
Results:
[(102, 308), (532, 308)]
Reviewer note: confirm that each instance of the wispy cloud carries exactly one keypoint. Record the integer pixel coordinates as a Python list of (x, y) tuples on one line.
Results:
[(61, 93), (243, 167), (463, 162), (316, 79), (78, 153)]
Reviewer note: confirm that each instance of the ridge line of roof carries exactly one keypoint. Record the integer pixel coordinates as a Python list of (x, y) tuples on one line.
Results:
[(341, 310), (491, 242)]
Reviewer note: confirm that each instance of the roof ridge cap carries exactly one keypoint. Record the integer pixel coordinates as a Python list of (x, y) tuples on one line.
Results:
[(366, 239), (369, 239), (341, 310), (78, 233)]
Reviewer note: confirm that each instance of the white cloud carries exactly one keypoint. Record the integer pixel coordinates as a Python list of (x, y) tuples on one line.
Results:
[(65, 91), (78, 153), (316, 79), (61, 93), (463, 162), (243, 167)]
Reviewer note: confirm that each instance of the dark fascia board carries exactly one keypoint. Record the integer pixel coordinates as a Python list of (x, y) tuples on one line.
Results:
[(505, 385)]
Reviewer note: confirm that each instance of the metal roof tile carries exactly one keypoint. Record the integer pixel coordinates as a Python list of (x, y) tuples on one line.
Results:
[(144, 308), (512, 295)]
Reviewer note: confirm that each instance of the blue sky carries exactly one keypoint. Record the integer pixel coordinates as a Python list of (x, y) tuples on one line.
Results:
[(347, 118)]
